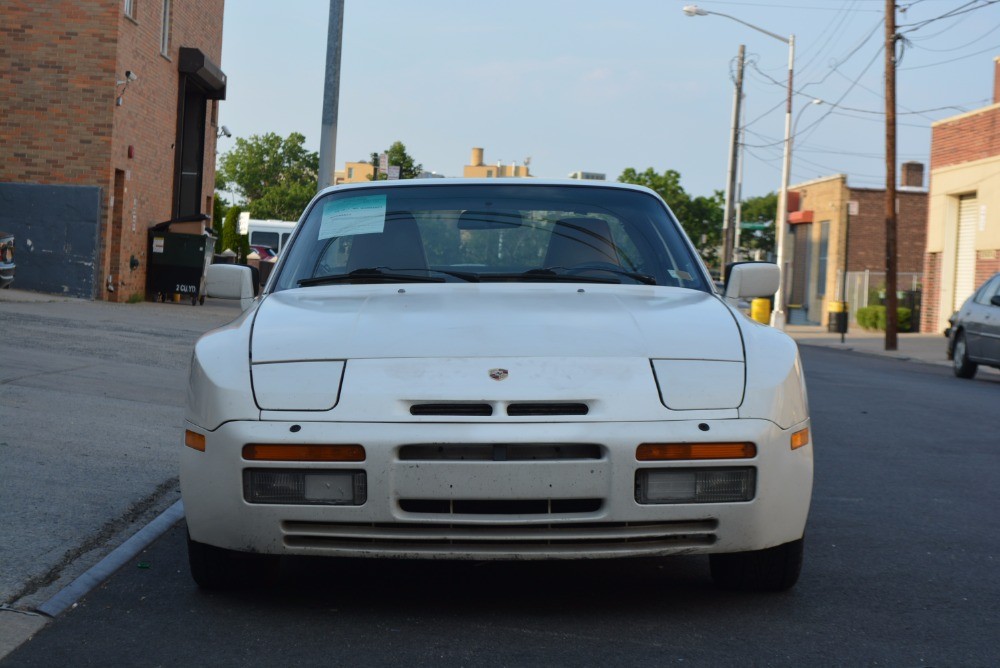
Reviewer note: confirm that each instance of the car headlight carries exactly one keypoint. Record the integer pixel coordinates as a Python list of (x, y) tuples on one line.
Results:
[(297, 386), (700, 384)]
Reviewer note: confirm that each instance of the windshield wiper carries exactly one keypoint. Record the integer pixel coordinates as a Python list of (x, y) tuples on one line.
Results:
[(371, 275)]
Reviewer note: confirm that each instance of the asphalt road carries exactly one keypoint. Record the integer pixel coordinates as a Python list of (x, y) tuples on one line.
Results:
[(901, 569)]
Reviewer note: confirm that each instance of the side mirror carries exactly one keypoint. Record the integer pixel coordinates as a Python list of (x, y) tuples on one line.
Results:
[(995, 300), (749, 280), (230, 281)]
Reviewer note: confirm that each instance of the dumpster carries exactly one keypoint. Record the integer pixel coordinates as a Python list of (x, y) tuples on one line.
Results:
[(179, 251)]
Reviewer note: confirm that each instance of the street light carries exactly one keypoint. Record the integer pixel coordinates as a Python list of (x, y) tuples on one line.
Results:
[(778, 314)]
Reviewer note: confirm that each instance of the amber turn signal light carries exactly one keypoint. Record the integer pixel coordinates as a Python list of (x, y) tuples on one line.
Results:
[(264, 452), (193, 439), (800, 438), (678, 451)]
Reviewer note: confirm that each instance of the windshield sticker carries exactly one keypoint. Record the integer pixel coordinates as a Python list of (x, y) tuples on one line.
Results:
[(682, 275), (356, 215)]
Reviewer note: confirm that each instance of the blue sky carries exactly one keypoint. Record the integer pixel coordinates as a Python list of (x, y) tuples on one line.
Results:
[(602, 86)]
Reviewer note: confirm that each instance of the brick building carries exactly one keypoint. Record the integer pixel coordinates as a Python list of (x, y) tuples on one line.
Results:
[(108, 127), (963, 223), (822, 223)]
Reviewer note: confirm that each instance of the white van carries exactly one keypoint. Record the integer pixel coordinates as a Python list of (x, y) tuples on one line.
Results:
[(271, 233)]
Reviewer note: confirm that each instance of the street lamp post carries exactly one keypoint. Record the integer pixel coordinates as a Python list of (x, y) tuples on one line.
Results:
[(781, 224)]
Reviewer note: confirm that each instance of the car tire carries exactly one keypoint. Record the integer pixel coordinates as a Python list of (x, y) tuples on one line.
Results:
[(960, 363), (217, 568), (773, 569)]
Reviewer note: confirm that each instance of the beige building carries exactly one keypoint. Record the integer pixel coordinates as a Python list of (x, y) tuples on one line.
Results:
[(478, 170), (354, 172), (963, 222), (834, 227)]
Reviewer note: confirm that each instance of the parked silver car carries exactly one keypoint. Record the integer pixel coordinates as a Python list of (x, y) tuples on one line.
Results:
[(6, 259), (974, 335)]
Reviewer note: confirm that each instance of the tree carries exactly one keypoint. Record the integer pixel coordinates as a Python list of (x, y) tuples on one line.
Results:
[(219, 208), (398, 156), (761, 209), (231, 239), (274, 177), (701, 217)]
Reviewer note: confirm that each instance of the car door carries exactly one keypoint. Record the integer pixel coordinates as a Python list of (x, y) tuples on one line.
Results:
[(990, 321), (975, 318)]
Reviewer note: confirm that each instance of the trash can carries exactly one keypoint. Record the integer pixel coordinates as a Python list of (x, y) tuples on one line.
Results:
[(178, 253), (837, 322), (760, 310)]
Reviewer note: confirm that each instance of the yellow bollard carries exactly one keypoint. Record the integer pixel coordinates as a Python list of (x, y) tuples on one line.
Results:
[(760, 310)]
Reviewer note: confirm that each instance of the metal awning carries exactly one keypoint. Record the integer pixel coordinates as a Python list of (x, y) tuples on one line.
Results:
[(204, 72)]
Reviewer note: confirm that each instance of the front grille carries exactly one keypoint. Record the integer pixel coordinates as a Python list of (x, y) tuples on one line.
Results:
[(452, 410), (545, 408), (499, 506), (499, 452), (514, 409), (593, 539)]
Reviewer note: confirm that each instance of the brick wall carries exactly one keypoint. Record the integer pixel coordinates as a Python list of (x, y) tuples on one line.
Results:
[(929, 311), (970, 137), (147, 122), (987, 264), (867, 243), (59, 64)]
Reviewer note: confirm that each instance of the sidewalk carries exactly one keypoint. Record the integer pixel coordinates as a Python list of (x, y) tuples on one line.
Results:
[(929, 348)]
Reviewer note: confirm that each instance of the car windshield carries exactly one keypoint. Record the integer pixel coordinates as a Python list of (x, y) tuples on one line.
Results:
[(490, 233)]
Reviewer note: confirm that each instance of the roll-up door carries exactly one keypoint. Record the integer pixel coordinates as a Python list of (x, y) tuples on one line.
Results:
[(965, 254)]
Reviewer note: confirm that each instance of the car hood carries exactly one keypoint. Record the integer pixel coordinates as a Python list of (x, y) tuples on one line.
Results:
[(493, 320)]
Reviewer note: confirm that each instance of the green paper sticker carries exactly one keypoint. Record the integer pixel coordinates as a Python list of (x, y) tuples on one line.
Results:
[(355, 215)]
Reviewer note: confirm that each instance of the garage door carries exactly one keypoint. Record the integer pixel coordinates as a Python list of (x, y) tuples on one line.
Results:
[(965, 260)]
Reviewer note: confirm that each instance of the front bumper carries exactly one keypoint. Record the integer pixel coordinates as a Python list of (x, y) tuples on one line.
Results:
[(415, 508)]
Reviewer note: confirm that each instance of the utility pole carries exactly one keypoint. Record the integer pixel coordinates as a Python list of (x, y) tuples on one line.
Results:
[(331, 97), (728, 224), (891, 320)]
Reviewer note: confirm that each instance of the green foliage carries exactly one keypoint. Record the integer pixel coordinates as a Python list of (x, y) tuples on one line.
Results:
[(274, 177), (219, 209), (136, 297), (230, 237), (408, 169), (763, 209), (701, 217), (873, 318)]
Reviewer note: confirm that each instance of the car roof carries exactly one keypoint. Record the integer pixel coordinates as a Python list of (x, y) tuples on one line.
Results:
[(453, 181)]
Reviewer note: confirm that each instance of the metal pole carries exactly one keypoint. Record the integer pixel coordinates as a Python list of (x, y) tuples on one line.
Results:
[(734, 147), (331, 97), (780, 225), (847, 241), (891, 324), (739, 186)]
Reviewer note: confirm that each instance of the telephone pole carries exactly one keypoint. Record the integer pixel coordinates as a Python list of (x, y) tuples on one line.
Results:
[(728, 223), (891, 320), (331, 97)]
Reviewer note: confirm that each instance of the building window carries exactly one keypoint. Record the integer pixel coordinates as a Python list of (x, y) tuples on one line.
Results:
[(165, 32), (350, 172), (489, 173), (824, 250), (130, 8)]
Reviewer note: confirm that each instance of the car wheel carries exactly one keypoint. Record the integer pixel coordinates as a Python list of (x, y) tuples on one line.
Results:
[(774, 569), (217, 568), (963, 367)]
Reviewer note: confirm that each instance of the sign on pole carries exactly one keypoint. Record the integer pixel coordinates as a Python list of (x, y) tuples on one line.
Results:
[(383, 163), (393, 173)]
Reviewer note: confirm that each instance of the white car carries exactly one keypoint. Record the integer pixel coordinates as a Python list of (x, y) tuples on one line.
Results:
[(496, 369)]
